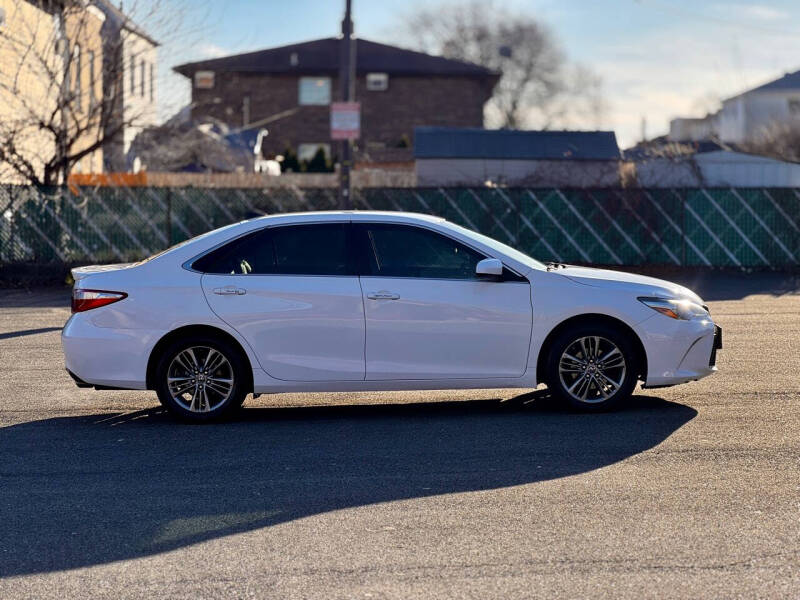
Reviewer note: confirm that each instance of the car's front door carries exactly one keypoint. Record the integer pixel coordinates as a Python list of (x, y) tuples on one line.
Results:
[(428, 316), (291, 291)]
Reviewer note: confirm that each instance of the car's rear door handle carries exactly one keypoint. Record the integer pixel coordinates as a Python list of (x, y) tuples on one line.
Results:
[(383, 295), (230, 291)]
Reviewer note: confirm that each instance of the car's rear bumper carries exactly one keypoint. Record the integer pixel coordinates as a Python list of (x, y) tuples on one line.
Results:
[(679, 351), (104, 356)]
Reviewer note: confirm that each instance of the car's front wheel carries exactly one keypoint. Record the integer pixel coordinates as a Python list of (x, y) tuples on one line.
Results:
[(592, 367), (201, 378)]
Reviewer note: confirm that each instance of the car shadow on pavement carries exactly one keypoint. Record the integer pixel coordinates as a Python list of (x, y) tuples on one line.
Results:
[(40, 297), (82, 491), (24, 332)]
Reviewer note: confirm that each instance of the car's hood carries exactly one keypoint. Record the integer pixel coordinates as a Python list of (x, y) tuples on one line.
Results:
[(638, 284)]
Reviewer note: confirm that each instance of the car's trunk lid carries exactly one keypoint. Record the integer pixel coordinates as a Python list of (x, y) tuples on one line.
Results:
[(79, 273)]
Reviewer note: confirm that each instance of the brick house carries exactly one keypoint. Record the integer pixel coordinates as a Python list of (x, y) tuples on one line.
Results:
[(288, 91)]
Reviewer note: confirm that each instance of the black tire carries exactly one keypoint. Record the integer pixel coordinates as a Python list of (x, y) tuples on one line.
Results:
[(193, 405), (591, 367)]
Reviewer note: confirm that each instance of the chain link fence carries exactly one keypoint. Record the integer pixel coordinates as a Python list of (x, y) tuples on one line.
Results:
[(747, 228)]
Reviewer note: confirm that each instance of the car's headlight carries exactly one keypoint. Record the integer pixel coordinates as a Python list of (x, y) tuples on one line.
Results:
[(685, 310)]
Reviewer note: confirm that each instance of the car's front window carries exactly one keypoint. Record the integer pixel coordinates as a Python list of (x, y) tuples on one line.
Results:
[(408, 251)]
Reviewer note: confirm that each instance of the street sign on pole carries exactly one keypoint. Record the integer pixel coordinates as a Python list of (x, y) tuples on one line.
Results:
[(345, 120)]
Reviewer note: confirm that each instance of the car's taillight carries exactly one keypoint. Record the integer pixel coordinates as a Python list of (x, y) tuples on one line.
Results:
[(83, 300)]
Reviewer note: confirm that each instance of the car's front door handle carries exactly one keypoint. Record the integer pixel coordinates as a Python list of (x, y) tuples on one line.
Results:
[(230, 291), (383, 295)]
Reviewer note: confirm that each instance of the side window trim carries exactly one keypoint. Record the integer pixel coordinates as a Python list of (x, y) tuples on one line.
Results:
[(356, 261)]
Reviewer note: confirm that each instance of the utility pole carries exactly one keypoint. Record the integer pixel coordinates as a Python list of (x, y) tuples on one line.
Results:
[(347, 93), (63, 97)]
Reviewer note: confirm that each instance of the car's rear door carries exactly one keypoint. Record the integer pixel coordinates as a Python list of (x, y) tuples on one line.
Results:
[(428, 316), (291, 291)]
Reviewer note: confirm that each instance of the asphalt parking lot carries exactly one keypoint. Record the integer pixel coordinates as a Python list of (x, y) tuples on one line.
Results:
[(692, 491)]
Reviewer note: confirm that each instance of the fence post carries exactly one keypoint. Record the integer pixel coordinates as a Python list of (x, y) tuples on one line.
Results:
[(9, 249), (683, 227), (169, 217)]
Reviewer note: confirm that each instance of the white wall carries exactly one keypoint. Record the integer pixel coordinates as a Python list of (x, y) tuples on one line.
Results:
[(692, 130), (718, 169), (666, 173), (741, 118), (537, 173), (746, 170), (748, 115)]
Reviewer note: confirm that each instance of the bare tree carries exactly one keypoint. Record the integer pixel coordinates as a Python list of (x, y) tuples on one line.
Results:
[(781, 141), (61, 90), (43, 109), (538, 87)]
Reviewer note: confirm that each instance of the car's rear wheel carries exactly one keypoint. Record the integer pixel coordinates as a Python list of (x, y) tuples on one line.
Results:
[(592, 367), (201, 378)]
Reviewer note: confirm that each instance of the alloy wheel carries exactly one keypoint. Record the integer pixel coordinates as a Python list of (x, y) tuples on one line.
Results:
[(200, 379), (592, 369)]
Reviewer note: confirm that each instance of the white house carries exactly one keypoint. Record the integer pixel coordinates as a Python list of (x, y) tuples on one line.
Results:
[(744, 116), (130, 68)]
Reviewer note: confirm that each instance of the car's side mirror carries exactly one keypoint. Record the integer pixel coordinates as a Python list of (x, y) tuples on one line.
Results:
[(489, 267)]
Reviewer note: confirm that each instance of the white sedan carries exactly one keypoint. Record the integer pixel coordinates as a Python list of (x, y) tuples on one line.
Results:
[(346, 301)]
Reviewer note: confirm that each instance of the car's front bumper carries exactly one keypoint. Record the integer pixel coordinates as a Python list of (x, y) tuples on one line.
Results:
[(679, 351)]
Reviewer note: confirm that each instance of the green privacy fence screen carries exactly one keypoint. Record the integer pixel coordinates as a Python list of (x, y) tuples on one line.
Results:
[(696, 227)]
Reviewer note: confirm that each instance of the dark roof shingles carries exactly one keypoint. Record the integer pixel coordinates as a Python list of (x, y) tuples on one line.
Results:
[(322, 56), (790, 81)]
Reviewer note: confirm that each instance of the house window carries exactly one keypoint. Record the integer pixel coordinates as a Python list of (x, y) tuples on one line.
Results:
[(377, 82), (92, 80), (60, 49), (315, 91), (133, 74), (76, 59), (141, 78), (204, 80), (152, 82)]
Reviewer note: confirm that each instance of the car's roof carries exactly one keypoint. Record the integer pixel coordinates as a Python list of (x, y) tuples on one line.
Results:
[(351, 215)]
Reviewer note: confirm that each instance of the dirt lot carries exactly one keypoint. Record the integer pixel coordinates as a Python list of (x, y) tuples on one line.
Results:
[(692, 491)]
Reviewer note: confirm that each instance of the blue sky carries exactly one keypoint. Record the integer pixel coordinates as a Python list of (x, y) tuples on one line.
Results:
[(657, 58)]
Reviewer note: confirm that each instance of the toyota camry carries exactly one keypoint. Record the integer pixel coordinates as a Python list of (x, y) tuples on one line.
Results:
[(346, 301)]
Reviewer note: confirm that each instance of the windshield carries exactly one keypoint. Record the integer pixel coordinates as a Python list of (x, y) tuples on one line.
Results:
[(501, 247)]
